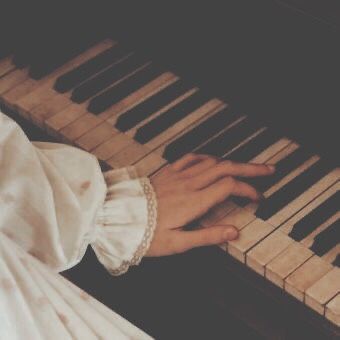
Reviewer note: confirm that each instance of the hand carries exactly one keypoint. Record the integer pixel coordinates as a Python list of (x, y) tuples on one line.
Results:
[(189, 188)]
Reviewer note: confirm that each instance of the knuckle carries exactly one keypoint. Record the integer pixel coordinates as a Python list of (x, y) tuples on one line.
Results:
[(210, 162), (212, 159), (207, 158)]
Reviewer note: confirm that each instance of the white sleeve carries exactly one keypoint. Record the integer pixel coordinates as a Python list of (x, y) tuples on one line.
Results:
[(36, 303), (55, 201)]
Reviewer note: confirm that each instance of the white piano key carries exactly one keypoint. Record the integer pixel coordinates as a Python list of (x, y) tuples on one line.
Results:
[(322, 291), (259, 256), (249, 236), (333, 310), (305, 276), (286, 262)]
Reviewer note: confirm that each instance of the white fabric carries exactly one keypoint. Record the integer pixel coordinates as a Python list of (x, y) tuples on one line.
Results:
[(54, 202), (36, 303), (120, 238)]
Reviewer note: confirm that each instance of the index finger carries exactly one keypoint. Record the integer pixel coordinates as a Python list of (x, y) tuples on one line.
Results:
[(245, 169)]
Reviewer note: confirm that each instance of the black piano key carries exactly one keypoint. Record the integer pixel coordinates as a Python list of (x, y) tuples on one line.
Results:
[(292, 190), (116, 93), (230, 138), (198, 135), (327, 239), (106, 78), (4, 53), (336, 262), (24, 53), (254, 147), (5, 46), (86, 70), (283, 168), (20, 60), (159, 124), (315, 218), (131, 118), (56, 56)]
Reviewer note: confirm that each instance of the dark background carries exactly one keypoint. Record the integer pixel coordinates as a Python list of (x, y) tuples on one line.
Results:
[(276, 60)]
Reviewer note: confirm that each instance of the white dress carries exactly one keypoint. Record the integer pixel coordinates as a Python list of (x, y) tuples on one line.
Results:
[(54, 203)]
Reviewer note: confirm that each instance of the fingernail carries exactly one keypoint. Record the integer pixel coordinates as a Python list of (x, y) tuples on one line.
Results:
[(230, 234)]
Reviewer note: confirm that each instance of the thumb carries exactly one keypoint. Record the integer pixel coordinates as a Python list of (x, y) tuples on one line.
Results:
[(206, 236)]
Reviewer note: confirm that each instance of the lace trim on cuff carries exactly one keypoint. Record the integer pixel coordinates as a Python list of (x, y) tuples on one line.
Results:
[(149, 231)]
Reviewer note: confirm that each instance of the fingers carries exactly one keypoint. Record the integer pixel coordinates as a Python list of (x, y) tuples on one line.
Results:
[(200, 167), (225, 187), (185, 240), (187, 161), (228, 168), (247, 169)]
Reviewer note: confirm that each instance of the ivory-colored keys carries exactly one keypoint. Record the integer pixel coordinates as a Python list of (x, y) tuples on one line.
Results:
[(76, 125), (333, 310), (258, 257), (249, 236), (305, 276), (302, 200), (12, 79), (60, 120), (10, 97), (89, 130), (30, 93), (58, 102), (169, 134), (44, 87), (286, 263), (235, 216), (88, 121), (268, 249), (282, 147), (324, 290), (124, 142), (98, 135), (288, 225), (49, 108)]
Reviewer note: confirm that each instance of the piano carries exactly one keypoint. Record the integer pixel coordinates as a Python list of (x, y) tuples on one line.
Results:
[(244, 93)]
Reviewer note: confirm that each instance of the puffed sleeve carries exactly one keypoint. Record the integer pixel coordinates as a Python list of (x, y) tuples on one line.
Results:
[(36, 303), (55, 201)]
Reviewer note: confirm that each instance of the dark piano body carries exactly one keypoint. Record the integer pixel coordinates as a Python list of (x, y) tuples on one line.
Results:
[(275, 61)]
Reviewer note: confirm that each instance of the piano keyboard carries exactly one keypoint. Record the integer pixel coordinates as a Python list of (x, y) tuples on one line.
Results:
[(125, 109)]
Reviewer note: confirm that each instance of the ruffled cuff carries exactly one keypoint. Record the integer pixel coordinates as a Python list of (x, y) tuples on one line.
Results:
[(125, 224)]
